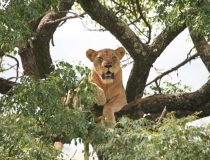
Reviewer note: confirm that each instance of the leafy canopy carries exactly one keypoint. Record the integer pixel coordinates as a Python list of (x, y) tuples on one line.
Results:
[(33, 115)]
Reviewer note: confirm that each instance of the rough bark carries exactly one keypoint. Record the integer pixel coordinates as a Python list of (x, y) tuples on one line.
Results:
[(144, 55)]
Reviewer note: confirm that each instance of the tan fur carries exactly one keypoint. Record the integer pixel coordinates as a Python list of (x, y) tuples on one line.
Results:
[(111, 90)]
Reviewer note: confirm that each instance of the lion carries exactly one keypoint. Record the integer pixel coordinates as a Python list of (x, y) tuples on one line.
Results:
[(106, 74)]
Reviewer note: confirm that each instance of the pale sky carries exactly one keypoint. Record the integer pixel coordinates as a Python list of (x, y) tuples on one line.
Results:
[(72, 40)]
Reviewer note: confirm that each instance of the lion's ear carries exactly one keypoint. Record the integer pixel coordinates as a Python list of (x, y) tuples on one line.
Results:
[(120, 52), (91, 54)]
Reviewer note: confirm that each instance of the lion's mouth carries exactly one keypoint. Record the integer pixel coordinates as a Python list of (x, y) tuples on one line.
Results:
[(108, 75)]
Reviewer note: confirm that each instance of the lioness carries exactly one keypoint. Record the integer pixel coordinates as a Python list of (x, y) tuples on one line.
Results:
[(106, 74)]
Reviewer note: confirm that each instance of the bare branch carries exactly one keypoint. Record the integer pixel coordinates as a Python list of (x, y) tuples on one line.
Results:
[(145, 20), (17, 75), (188, 59), (10, 67), (73, 154), (65, 18), (162, 115)]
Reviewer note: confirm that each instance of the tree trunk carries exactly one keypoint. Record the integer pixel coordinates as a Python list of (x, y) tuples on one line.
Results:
[(143, 55), (36, 57)]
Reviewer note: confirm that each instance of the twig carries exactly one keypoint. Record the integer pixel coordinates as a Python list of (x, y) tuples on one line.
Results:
[(73, 154), (67, 17), (145, 20), (158, 87), (17, 75), (10, 67), (10, 78), (162, 115), (188, 59)]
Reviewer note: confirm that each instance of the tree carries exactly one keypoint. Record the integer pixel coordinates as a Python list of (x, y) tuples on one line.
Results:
[(27, 27)]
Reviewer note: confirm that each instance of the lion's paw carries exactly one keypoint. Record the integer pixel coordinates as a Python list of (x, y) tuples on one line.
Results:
[(101, 99)]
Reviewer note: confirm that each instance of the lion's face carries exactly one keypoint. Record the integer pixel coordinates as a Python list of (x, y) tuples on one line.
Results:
[(106, 62)]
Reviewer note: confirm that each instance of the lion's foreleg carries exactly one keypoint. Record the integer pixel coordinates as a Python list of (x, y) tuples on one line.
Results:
[(111, 107), (100, 97)]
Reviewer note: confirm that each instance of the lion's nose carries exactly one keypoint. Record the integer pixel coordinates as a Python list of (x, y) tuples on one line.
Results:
[(108, 66)]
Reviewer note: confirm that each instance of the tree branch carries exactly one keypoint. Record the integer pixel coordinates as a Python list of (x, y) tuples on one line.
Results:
[(195, 101), (202, 47), (66, 18), (141, 66), (188, 59), (118, 28), (17, 75), (6, 85), (164, 39)]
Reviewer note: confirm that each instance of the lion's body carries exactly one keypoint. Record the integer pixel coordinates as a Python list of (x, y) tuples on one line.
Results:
[(106, 74)]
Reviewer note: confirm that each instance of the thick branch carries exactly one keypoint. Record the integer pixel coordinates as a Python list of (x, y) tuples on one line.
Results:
[(195, 101), (203, 49), (118, 28), (164, 39), (5, 85), (141, 66)]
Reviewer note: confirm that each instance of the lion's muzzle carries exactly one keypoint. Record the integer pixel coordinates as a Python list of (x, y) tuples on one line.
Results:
[(108, 75)]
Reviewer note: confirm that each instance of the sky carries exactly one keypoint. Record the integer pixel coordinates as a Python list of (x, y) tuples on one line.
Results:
[(72, 40)]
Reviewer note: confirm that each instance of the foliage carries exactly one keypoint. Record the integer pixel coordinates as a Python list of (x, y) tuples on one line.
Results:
[(168, 88), (14, 18), (142, 140), (33, 114), (195, 14)]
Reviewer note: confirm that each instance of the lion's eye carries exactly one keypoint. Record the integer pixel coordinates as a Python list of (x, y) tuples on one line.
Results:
[(114, 57), (100, 58)]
